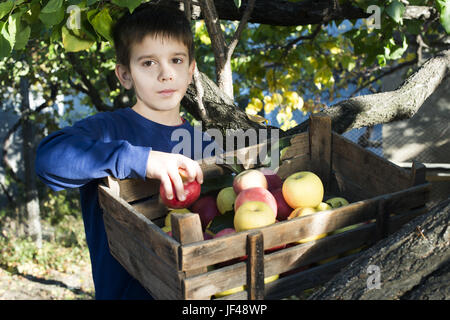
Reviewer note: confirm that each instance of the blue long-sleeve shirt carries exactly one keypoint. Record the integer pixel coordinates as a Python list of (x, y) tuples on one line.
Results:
[(109, 144)]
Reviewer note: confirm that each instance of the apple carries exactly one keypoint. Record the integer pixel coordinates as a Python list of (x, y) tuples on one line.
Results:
[(191, 190), (323, 206), (253, 214), (256, 194), (225, 199), (283, 209), (206, 207), (300, 212), (167, 220), (273, 180), (249, 179), (303, 189), (337, 202), (229, 291), (224, 232)]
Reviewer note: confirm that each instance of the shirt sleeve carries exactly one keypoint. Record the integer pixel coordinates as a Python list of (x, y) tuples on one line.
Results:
[(73, 156)]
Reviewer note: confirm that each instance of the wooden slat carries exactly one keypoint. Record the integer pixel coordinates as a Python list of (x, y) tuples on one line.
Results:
[(202, 286), (187, 228), (418, 173), (133, 189), (299, 146), (151, 208), (320, 146), (138, 225), (366, 168), (255, 266), (222, 249), (300, 163), (294, 257), (141, 262)]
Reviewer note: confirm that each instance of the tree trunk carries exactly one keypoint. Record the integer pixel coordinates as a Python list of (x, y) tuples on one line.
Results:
[(31, 193), (412, 263)]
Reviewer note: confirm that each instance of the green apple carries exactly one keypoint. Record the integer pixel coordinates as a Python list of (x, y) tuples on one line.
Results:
[(337, 202), (303, 189), (323, 206), (225, 199), (253, 214)]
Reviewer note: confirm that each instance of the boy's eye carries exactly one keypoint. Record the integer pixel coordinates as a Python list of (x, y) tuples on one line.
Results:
[(148, 63), (177, 60)]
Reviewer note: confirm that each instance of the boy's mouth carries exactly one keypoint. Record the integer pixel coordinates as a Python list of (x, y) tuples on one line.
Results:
[(166, 92)]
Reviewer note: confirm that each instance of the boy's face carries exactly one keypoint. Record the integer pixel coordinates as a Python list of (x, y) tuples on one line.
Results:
[(159, 72)]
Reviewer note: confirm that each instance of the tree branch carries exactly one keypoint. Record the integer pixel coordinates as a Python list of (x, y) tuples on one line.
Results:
[(386, 107)]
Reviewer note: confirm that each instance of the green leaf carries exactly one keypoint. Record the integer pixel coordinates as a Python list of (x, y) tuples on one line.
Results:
[(51, 19), (238, 3), (5, 47), (6, 7), (52, 6), (396, 10), (102, 23), (130, 4), (444, 12), (22, 38), (73, 43)]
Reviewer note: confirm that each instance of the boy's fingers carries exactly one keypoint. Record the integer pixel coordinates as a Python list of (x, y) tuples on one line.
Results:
[(199, 174), (167, 185), (178, 184)]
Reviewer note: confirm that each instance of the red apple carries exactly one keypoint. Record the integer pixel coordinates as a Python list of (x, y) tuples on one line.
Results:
[(256, 194), (249, 179), (273, 180), (283, 209), (191, 189), (206, 207)]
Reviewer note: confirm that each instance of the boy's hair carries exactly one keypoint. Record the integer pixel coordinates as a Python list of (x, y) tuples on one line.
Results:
[(150, 19)]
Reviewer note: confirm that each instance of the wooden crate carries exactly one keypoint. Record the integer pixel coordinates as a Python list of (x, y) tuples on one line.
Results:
[(382, 195)]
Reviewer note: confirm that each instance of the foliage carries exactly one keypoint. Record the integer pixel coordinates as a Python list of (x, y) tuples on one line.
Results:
[(65, 250)]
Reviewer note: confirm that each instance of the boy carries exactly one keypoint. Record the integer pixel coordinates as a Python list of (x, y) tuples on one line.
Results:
[(155, 58)]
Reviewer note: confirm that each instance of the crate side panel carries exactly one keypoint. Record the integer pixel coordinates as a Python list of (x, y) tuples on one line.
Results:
[(157, 277), (138, 225), (365, 168), (221, 249)]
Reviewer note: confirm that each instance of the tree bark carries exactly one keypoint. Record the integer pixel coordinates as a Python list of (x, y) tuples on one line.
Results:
[(31, 193), (286, 13), (413, 264)]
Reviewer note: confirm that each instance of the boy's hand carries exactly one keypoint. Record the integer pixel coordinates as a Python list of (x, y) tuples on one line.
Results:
[(165, 167)]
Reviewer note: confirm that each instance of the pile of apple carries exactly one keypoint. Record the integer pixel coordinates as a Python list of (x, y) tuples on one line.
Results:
[(257, 198)]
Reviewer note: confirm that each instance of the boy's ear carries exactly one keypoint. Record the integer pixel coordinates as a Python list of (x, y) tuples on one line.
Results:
[(124, 76)]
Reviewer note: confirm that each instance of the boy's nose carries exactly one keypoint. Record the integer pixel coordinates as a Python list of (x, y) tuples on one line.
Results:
[(166, 74)]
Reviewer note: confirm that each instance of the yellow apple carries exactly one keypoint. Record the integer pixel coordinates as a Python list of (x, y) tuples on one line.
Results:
[(229, 291), (167, 222), (323, 206), (225, 199), (271, 278), (337, 202), (300, 212), (253, 214), (303, 189)]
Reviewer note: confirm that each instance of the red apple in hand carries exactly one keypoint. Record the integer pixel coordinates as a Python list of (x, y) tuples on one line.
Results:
[(273, 180), (206, 207), (256, 194), (283, 209), (191, 190)]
